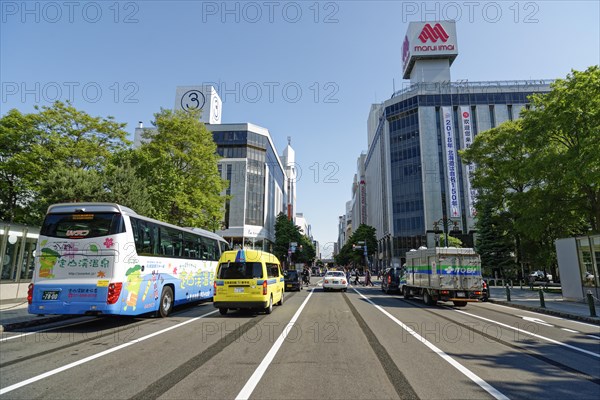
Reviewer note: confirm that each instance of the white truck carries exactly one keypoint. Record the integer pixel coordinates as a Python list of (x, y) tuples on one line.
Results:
[(443, 274)]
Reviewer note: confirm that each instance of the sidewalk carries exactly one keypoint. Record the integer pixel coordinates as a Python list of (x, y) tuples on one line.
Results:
[(14, 315), (554, 304)]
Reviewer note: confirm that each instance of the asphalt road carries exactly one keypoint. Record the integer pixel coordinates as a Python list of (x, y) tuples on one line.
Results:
[(362, 344)]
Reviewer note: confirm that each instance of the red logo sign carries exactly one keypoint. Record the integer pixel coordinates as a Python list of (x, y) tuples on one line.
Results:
[(433, 34), (405, 49), (465, 115)]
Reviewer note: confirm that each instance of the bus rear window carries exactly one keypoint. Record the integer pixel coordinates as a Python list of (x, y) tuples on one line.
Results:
[(82, 226), (239, 270)]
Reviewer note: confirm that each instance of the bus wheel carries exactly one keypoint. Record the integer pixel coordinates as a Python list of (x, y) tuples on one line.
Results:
[(166, 302), (269, 309), (222, 311)]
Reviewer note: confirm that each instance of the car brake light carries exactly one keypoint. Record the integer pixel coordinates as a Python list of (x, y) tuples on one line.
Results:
[(30, 293), (343, 281), (264, 285), (326, 281), (114, 291)]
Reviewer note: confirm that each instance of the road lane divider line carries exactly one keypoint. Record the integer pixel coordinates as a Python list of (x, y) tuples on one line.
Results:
[(545, 315), (95, 356), (461, 368), (531, 334), (264, 364), (42, 330), (569, 330)]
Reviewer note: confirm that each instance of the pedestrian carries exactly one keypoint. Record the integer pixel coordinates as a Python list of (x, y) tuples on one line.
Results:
[(368, 278), (356, 281)]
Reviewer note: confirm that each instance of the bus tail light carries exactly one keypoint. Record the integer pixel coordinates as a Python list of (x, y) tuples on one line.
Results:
[(114, 291), (30, 293), (264, 285)]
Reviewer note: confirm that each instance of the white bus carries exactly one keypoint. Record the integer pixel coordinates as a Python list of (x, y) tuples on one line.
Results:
[(103, 258)]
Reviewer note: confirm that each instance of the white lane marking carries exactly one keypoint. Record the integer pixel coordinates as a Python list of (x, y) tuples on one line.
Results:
[(536, 320), (593, 336), (531, 334), (464, 370), (569, 330), (93, 357), (262, 367), (547, 316), (42, 330)]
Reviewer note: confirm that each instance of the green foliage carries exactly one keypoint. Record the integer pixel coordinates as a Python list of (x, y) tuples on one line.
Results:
[(538, 178), (287, 232), (179, 164), (452, 241), (59, 145), (124, 183), (352, 256)]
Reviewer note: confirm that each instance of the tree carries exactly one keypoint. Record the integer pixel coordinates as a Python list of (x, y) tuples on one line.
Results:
[(124, 183), (541, 174), (57, 144), (348, 254), (495, 241), (564, 128), (452, 241), (286, 232), (19, 167), (179, 162)]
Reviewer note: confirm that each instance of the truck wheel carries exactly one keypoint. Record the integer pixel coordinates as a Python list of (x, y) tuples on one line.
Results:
[(460, 303), (406, 292), (166, 302), (269, 308), (222, 311), (427, 299)]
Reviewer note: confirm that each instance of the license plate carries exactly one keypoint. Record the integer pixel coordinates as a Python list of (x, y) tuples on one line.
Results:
[(238, 290), (289, 285), (460, 294), (336, 282), (50, 295)]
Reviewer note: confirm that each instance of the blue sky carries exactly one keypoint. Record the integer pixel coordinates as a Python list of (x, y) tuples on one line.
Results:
[(306, 69)]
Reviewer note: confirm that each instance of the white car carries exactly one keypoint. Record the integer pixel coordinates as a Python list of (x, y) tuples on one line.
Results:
[(335, 280)]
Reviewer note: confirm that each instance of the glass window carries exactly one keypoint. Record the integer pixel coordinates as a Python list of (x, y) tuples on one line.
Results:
[(239, 270), (82, 225)]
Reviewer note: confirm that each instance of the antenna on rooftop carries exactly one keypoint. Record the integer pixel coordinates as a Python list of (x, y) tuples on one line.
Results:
[(289, 140)]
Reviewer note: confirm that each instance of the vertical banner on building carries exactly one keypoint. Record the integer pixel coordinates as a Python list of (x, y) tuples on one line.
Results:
[(465, 113), (451, 163)]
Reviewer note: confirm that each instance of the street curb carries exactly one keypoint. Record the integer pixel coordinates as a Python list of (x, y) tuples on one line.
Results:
[(13, 326), (562, 314)]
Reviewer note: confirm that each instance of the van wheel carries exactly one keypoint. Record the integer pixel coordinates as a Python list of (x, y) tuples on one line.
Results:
[(281, 301), (222, 311), (166, 302), (269, 309)]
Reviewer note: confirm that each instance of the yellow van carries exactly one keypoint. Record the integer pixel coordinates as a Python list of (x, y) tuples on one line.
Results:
[(248, 279)]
